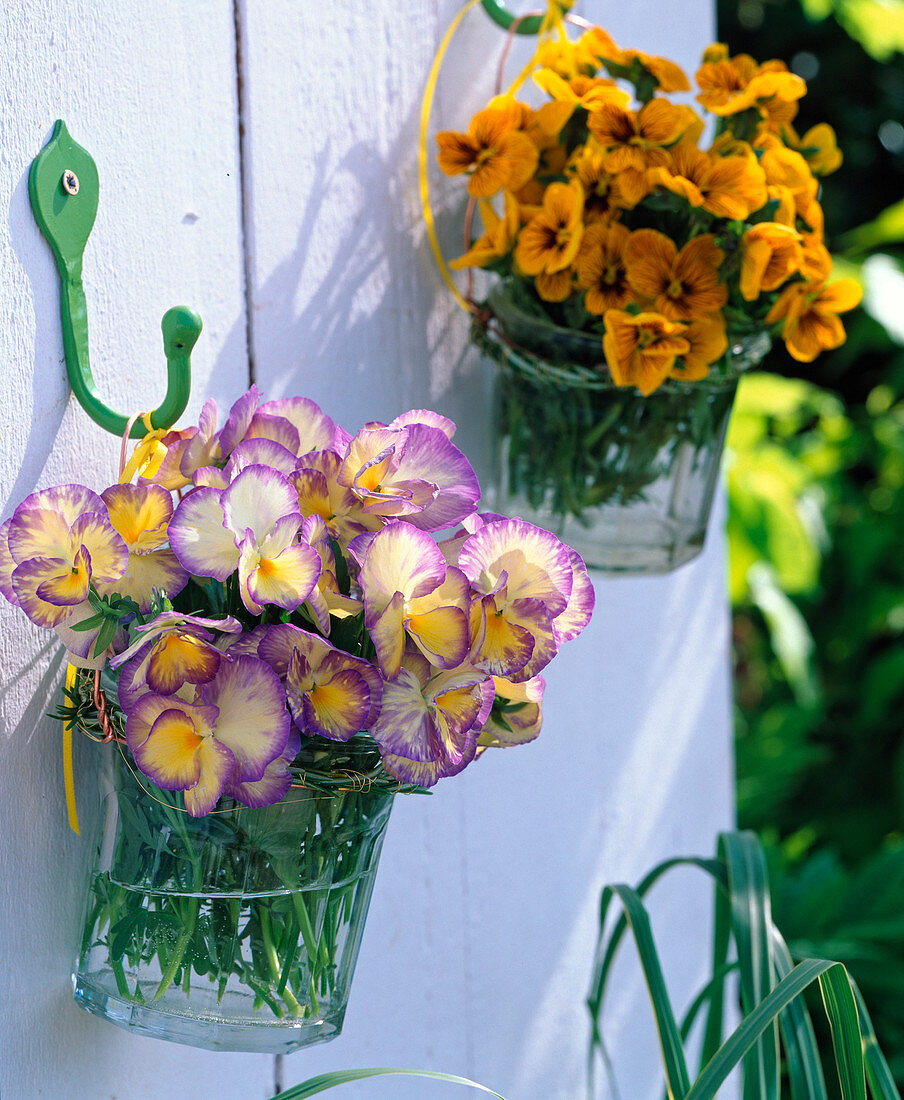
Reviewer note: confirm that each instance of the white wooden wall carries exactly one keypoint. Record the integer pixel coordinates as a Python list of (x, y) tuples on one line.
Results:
[(302, 248)]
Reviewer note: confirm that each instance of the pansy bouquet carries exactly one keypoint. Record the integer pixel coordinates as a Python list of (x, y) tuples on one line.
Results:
[(297, 623), (650, 236)]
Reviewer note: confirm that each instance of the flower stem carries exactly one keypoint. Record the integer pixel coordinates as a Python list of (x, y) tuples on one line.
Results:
[(182, 943)]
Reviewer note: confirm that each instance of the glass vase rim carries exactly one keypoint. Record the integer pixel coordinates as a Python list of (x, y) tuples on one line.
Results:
[(752, 345)]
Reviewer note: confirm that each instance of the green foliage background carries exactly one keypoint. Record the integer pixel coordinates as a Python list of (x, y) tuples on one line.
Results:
[(816, 486)]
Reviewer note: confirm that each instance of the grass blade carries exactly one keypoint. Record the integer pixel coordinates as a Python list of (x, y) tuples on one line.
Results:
[(881, 1082), (751, 919), (677, 1080), (753, 1025), (802, 1059), (841, 1008), (606, 950), (712, 1032), (343, 1076)]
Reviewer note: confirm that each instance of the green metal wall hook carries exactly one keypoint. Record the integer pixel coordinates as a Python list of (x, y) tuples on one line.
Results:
[(63, 187), (497, 12)]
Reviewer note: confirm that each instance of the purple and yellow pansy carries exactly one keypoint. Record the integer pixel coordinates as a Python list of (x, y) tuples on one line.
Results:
[(306, 584)]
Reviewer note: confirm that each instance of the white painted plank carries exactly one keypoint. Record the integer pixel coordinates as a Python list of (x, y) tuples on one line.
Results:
[(478, 949), (149, 89)]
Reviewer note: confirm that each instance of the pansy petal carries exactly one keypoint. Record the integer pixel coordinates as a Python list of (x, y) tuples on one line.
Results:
[(276, 783), (28, 579), (169, 754), (108, 551), (171, 620), (68, 585), (69, 501), (169, 474), (256, 499), (537, 563), (180, 658), (159, 569), (148, 708), (7, 565), (400, 558), (139, 513), (210, 477), (521, 723), (238, 421), (275, 428), (441, 635), (261, 452), (504, 647), (428, 417), (287, 579), (429, 455), (576, 615), (203, 448), (388, 636), (338, 707), (532, 616), (404, 726), (37, 533), (253, 721), (217, 765), (280, 642), (316, 431), (199, 537)]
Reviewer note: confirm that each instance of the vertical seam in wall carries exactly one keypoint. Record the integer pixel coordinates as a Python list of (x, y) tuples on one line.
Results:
[(245, 227)]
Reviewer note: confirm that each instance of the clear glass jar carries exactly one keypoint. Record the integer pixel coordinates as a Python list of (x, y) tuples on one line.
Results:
[(627, 480), (236, 931)]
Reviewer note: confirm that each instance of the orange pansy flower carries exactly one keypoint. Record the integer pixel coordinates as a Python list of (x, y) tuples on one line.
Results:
[(602, 194), (722, 79), (633, 143), (639, 140), (554, 286), (707, 342), (498, 239), (770, 254), (550, 241), (601, 268), (641, 350), (809, 312), (729, 187), (818, 147), (728, 87), (669, 77), (581, 91), (494, 152), (681, 285)]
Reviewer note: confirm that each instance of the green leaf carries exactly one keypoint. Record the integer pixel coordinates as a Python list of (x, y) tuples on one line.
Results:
[(343, 1076), (106, 635), (881, 1082), (732, 1051), (677, 1079), (801, 1051), (841, 1008), (751, 920)]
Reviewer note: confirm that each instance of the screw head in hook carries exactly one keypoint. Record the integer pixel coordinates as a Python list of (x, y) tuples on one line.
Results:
[(70, 182)]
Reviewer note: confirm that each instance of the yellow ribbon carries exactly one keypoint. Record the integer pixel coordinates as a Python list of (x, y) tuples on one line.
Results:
[(148, 453), (68, 775), (553, 22)]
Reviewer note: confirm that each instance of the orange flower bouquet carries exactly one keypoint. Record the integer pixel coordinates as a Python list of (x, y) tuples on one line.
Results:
[(648, 251)]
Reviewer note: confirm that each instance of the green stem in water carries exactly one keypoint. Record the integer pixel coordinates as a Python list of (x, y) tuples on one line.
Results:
[(273, 960), (182, 943)]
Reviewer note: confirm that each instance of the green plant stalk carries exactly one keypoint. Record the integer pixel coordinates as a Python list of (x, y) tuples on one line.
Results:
[(763, 957), (183, 910)]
